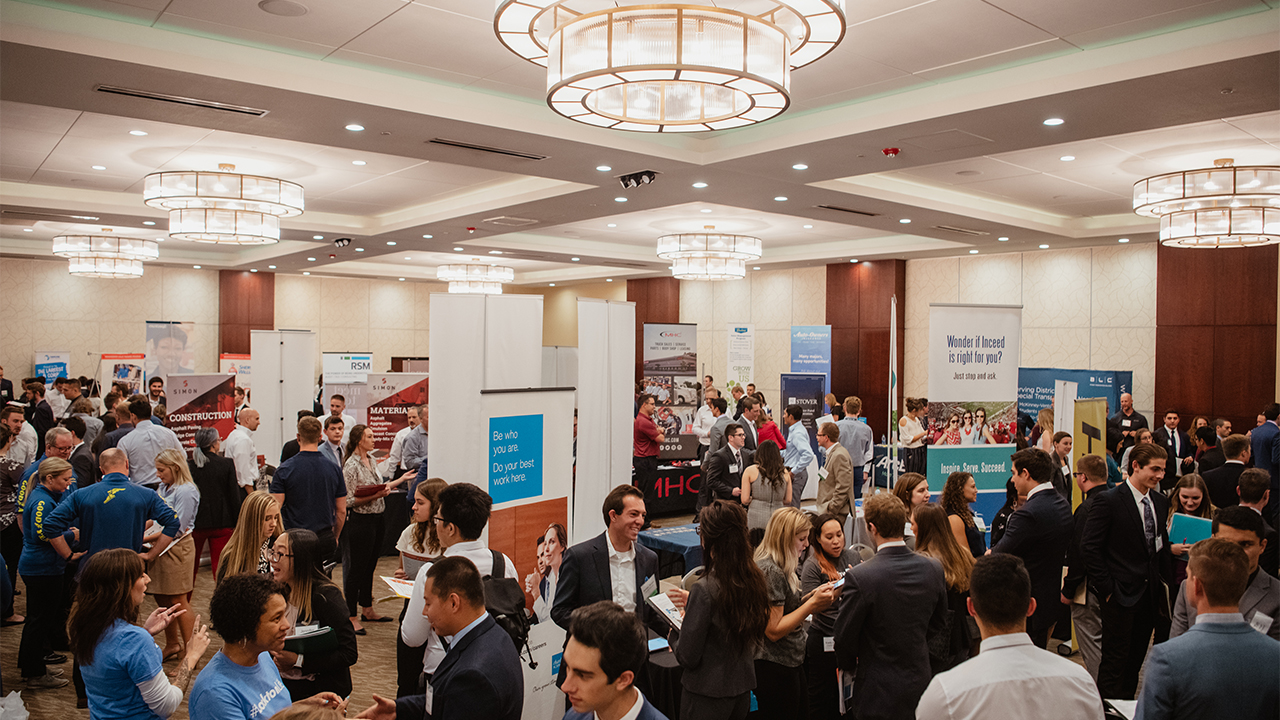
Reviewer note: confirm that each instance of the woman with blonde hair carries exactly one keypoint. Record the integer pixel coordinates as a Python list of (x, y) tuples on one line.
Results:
[(935, 539), (1044, 422), (249, 549), (173, 571), (781, 688)]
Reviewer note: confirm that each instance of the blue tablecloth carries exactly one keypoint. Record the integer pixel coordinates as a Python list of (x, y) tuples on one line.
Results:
[(682, 540)]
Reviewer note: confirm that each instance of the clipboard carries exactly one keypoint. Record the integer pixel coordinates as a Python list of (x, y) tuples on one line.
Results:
[(1189, 529)]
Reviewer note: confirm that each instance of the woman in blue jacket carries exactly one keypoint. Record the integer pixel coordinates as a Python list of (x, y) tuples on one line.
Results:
[(42, 570)]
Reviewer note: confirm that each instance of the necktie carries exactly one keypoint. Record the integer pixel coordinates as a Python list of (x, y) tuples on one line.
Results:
[(1148, 522)]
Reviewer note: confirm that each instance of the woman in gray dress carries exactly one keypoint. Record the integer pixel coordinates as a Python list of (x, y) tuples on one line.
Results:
[(766, 486)]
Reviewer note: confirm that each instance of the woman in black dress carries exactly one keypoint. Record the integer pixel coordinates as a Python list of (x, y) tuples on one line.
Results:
[(220, 496), (960, 490)]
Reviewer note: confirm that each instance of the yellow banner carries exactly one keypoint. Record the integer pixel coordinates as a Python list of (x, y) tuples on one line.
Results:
[(1089, 437)]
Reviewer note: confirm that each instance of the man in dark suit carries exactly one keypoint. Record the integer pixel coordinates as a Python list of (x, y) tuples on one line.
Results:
[(1255, 490), (6, 388), (83, 463), (1260, 604), (1178, 445), (480, 675), (722, 469), (1208, 452), (1039, 533), (604, 654), (41, 414), (1091, 477), (889, 605), (750, 413), (1266, 455), (1126, 556), (1222, 481)]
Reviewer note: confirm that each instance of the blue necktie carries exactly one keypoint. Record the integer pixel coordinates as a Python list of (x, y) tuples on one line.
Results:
[(1149, 522)]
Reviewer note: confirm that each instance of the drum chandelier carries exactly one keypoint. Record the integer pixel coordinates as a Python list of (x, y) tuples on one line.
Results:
[(475, 278), (223, 206), (105, 256), (1219, 207), (709, 255)]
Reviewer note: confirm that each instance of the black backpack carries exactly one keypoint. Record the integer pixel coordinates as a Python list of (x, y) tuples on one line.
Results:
[(504, 599)]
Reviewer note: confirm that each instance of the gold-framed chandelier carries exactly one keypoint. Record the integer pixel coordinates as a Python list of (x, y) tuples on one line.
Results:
[(223, 206), (1219, 207), (673, 67), (475, 278), (105, 256), (709, 255)]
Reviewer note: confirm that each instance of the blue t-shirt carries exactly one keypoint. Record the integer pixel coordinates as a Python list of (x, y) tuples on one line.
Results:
[(38, 558), (124, 656), (111, 514), (227, 691), (310, 484)]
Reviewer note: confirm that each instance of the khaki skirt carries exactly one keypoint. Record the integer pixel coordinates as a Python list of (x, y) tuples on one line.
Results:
[(172, 573)]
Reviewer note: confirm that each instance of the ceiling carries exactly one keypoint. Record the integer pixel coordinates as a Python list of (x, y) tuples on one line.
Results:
[(960, 87)]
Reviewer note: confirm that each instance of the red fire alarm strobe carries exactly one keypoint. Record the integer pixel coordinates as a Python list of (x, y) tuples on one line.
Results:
[(890, 152)]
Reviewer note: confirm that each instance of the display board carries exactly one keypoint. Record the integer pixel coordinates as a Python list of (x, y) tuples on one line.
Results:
[(741, 346), (283, 384), (53, 364), (127, 368), (806, 390), (199, 401), (382, 403), (171, 349), (671, 376), (811, 351), (973, 368), (1035, 386), (239, 365), (607, 352), (990, 465), (346, 367)]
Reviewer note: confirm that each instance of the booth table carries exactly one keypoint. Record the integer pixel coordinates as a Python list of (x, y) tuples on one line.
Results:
[(675, 492), (675, 546), (660, 678)]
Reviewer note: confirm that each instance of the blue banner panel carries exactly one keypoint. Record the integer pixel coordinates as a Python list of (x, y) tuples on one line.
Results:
[(807, 391), (515, 457), (1036, 386), (811, 352)]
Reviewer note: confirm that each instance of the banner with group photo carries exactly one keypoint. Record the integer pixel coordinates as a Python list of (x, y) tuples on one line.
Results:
[(52, 365), (671, 376), (237, 364), (811, 351), (973, 373), (741, 365), (1035, 386), (171, 350), (198, 401), (127, 368)]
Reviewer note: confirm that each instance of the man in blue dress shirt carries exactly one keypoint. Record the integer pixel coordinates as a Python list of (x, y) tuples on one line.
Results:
[(799, 452)]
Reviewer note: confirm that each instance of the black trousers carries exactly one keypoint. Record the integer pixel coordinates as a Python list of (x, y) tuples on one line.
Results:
[(781, 691), (703, 707), (408, 663), (361, 543), (644, 472), (820, 677), (1125, 634), (11, 550), (46, 626), (327, 545)]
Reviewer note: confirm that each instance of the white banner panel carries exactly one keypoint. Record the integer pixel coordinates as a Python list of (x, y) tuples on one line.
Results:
[(457, 364), (512, 341), (283, 361), (346, 367), (973, 352), (238, 365), (622, 358), (742, 355)]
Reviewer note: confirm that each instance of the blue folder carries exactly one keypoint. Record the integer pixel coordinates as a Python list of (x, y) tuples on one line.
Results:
[(1188, 529)]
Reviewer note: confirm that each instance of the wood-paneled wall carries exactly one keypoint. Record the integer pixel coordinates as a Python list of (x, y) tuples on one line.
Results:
[(858, 298), (657, 301), (1215, 333), (246, 301)]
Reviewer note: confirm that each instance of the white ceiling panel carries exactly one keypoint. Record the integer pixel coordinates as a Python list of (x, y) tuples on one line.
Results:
[(391, 192), (242, 36), (457, 175), (80, 154), (1077, 16), (941, 33), (1049, 159), (1116, 178), (1264, 126), (26, 148), (1162, 22), (89, 180), (145, 10), (15, 173), (25, 116), (864, 10), (470, 8), (374, 163), (840, 71), (329, 23), (1041, 190), (1096, 208), (884, 87), (974, 170), (1014, 56), (117, 129), (434, 38)]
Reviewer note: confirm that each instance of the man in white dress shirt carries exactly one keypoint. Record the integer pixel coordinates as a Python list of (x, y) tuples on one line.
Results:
[(23, 447), (1011, 677), (703, 420), (239, 448), (337, 409), (391, 465), (144, 443)]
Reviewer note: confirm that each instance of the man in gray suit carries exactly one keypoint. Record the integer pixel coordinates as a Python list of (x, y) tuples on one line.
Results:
[(836, 490), (719, 408), (1260, 604), (1221, 667), (857, 438), (889, 606)]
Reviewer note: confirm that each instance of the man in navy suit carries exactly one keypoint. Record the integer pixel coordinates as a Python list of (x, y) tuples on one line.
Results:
[(1266, 456), (1222, 667), (603, 656), (1039, 533), (1179, 446), (1126, 557), (480, 675)]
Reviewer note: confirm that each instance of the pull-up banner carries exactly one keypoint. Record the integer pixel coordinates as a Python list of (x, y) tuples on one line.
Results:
[(671, 376), (741, 367), (198, 401), (811, 351), (53, 365), (973, 372), (1035, 386)]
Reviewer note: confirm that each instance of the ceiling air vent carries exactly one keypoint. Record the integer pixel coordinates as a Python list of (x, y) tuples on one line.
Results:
[(632, 265), (486, 148), (180, 100), (851, 211), (961, 231), (510, 221), (63, 217)]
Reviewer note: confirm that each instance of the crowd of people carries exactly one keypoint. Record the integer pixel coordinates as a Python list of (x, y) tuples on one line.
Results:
[(920, 619)]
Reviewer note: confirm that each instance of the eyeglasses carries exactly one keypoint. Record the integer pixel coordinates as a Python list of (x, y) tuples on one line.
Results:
[(275, 555), (440, 520)]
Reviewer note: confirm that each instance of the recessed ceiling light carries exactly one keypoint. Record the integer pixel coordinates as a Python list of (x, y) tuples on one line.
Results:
[(619, 199), (457, 249), (271, 267), (603, 168), (575, 259), (148, 222), (854, 260), (139, 133), (799, 166), (705, 210), (428, 237), (781, 198), (311, 259), (551, 284), (1044, 247), (973, 252), (317, 237), (495, 252), (355, 128), (1123, 240), (608, 279), (359, 249), (1003, 239), (253, 269), (357, 162), (392, 243), (757, 267), (808, 227), (905, 221), (1054, 121), (1067, 158), (304, 272), (27, 230), (699, 185), (401, 279), (408, 257), (99, 167), (612, 225)]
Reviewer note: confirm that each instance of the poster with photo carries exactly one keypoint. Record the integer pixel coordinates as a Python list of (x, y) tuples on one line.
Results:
[(671, 376), (171, 349), (973, 373), (127, 368), (239, 365)]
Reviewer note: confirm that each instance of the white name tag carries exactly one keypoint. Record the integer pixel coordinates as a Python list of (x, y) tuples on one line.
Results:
[(1125, 423), (1261, 622), (828, 644), (650, 587), (733, 469), (1066, 471)]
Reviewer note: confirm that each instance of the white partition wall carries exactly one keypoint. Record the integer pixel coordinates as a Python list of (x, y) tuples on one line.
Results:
[(606, 369), (478, 342), (284, 361)]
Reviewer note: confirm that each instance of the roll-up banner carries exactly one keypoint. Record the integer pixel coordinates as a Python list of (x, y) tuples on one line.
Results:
[(1035, 386), (806, 390), (382, 403), (52, 365), (811, 351), (171, 349), (1089, 435), (127, 368), (671, 376), (346, 367), (239, 365), (742, 355), (197, 401), (973, 371)]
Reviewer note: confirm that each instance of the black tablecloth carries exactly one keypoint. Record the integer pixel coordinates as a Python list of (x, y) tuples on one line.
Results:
[(675, 492), (660, 681)]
